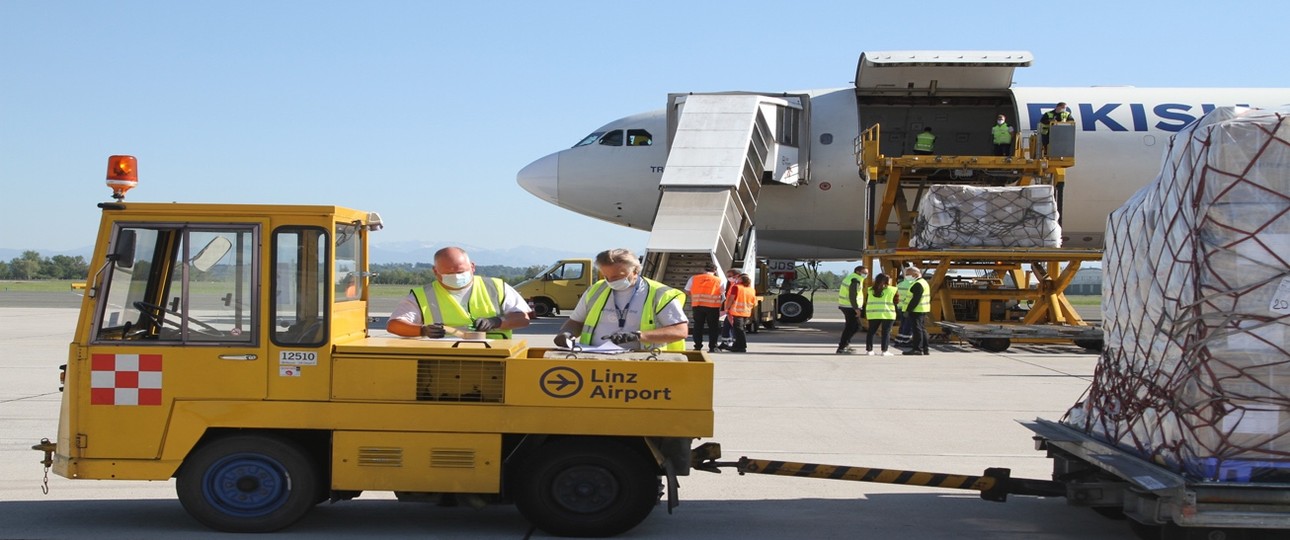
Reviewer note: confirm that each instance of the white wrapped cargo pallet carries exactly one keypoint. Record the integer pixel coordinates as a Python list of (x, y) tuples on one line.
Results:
[(952, 216), (1195, 373)]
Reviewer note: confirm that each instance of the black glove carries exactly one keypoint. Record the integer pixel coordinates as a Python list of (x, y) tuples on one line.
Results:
[(620, 338), (432, 330), (488, 323), (564, 340)]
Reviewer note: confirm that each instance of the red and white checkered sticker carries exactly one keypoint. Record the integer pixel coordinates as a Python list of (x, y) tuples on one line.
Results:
[(125, 379)]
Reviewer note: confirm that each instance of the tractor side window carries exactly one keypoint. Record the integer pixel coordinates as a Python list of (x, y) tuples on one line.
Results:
[(639, 137), (299, 286), (179, 283), (349, 259)]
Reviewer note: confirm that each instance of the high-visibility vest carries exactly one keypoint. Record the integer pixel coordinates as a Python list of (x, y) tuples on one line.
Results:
[(1002, 133), (902, 289), (705, 291), (925, 301), (1051, 117), (655, 300), (485, 301), (924, 142), (844, 291), (881, 306), (743, 301)]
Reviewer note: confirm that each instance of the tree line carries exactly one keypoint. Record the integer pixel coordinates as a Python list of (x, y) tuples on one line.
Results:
[(423, 273), (31, 266)]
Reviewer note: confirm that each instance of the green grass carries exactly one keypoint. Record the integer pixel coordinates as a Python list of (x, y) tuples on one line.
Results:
[(44, 285)]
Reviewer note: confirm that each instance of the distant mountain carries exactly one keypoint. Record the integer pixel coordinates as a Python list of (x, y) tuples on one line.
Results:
[(395, 252)]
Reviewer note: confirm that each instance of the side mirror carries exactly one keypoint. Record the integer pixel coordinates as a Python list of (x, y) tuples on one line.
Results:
[(123, 250), (211, 254)]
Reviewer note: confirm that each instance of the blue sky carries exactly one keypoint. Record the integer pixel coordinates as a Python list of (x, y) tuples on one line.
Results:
[(424, 111)]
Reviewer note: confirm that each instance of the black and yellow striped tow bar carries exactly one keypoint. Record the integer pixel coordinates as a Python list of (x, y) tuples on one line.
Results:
[(995, 485)]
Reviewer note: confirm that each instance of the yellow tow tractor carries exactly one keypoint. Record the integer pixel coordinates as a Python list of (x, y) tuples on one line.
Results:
[(226, 345)]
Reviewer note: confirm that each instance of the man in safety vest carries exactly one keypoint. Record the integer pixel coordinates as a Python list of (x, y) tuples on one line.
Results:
[(706, 290), (925, 142), (739, 307), (916, 308), (851, 302), (905, 330), (1058, 114), (460, 300), (626, 309), (1001, 134)]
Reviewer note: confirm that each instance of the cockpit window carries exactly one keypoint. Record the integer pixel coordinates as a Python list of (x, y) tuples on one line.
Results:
[(639, 137), (589, 139), (612, 138)]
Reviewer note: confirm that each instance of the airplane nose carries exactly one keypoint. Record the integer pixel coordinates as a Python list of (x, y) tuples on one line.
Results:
[(539, 178)]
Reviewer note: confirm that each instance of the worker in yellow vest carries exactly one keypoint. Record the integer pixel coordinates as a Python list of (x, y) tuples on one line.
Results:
[(925, 142), (917, 307), (880, 309), (706, 290), (626, 309), (851, 302), (1058, 114), (902, 295), (739, 307), (460, 300), (1001, 134)]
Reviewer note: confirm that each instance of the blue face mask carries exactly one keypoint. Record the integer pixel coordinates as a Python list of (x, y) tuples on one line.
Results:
[(456, 281)]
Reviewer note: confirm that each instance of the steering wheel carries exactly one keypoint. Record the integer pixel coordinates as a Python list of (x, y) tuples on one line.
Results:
[(154, 313)]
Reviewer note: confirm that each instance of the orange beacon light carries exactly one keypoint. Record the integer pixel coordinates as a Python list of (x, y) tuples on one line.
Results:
[(122, 174)]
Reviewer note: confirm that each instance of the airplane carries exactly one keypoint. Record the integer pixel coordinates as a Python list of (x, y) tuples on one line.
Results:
[(613, 173)]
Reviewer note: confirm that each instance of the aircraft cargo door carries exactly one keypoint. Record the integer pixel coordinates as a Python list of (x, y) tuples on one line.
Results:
[(956, 93)]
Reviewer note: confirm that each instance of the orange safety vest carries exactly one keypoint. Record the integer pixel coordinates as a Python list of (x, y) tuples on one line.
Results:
[(742, 302), (705, 291)]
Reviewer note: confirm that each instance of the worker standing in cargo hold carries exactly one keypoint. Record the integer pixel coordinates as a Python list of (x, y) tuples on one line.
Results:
[(850, 301), (925, 142), (706, 292), (459, 299), (626, 309), (739, 308), (1001, 134), (917, 307), (880, 310), (1058, 114)]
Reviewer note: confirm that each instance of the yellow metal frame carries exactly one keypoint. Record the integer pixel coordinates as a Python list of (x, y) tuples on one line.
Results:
[(892, 227)]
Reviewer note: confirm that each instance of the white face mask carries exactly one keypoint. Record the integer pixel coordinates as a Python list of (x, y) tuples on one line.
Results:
[(1000, 121), (456, 281), (621, 284)]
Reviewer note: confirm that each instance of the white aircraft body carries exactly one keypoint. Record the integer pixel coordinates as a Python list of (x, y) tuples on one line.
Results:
[(613, 174)]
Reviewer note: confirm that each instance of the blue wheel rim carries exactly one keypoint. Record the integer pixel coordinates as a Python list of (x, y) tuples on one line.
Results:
[(247, 485)]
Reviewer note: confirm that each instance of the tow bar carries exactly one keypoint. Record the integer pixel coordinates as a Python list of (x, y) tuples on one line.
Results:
[(995, 485)]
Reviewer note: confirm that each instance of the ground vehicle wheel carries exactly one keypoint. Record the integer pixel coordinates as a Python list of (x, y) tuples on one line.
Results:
[(543, 308), (248, 483), (580, 487), (1089, 344), (795, 308), (993, 344)]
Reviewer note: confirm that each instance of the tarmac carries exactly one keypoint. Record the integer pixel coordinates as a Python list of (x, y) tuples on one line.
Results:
[(789, 398)]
